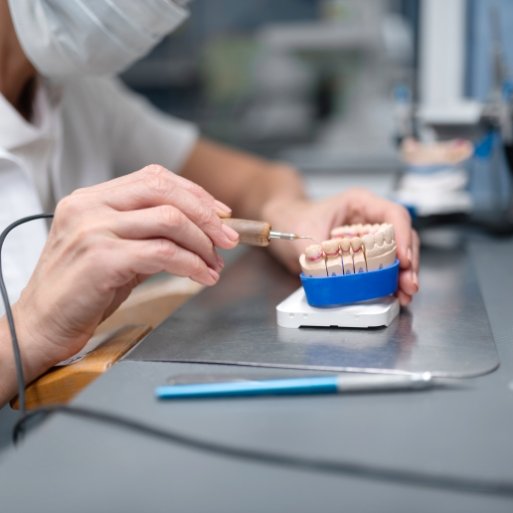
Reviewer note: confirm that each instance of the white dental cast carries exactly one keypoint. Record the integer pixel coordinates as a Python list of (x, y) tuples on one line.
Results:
[(352, 249)]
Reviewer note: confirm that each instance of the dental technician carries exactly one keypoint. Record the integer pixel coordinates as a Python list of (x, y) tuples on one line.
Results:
[(71, 139)]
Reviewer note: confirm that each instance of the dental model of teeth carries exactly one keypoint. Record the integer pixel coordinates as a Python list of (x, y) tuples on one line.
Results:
[(352, 249)]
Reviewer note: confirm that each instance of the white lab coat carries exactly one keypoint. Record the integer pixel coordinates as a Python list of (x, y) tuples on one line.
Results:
[(83, 132)]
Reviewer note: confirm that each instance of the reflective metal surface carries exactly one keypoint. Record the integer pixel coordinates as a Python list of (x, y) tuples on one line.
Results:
[(445, 331)]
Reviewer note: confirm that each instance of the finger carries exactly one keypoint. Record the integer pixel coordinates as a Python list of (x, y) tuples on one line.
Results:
[(148, 257), (182, 182), (142, 194), (162, 180), (223, 210), (415, 251), (166, 222), (401, 221), (404, 299), (408, 282)]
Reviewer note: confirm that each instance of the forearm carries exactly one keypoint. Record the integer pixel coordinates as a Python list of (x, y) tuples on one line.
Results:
[(248, 184), (35, 360), (7, 367)]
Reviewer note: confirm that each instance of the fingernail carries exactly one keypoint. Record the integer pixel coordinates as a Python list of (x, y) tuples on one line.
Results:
[(415, 279), (224, 210), (230, 233)]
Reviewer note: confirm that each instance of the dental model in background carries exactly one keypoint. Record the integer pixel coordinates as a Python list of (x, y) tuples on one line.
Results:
[(449, 153), (436, 177), (352, 249)]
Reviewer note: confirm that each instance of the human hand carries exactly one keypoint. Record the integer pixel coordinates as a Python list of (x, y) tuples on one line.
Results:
[(106, 239), (317, 218)]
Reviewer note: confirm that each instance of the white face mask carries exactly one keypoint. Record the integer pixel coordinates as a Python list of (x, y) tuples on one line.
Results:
[(91, 37)]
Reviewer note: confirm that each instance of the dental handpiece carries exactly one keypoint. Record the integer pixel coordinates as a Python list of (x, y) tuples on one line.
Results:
[(258, 233)]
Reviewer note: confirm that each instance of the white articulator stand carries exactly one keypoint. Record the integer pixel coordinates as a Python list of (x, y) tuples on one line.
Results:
[(295, 312)]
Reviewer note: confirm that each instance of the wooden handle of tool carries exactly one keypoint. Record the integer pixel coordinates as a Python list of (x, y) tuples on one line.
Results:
[(254, 233)]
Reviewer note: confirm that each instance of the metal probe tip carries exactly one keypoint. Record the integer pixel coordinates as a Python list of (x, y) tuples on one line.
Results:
[(286, 236)]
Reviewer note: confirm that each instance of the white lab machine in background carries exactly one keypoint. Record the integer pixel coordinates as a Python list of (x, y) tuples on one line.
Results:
[(442, 65), (362, 52), (456, 39)]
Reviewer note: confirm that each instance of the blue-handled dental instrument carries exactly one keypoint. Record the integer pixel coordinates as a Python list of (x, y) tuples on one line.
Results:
[(338, 384)]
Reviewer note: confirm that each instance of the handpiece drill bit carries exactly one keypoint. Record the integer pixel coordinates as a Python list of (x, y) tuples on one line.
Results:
[(286, 236)]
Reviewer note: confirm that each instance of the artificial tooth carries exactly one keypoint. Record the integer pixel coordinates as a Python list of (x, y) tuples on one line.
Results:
[(389, 255), (347, 258), (389, 233), (356, 243), (359, 263), (333, 258), (345, 245), (379, 238), (368, 241), (313, 262), (335, 233), (366, 228), (338, 232), (330, 247), (344, 231), (313, 252)]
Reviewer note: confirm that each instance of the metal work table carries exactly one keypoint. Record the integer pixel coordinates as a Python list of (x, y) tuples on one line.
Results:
[(70, 464)]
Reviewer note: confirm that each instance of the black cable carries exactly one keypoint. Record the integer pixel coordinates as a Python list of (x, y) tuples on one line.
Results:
[(347, 468), (20, 376)]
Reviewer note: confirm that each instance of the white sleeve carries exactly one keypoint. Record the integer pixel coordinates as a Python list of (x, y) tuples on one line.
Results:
[(141, 134)]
